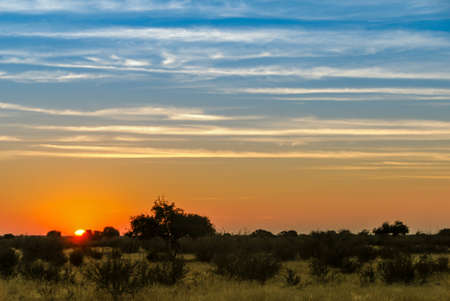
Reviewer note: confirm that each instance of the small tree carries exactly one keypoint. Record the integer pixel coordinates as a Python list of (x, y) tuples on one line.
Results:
[(54, 234), (110, 232)]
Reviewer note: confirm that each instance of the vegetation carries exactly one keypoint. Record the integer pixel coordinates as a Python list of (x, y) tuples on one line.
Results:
[(163, 259)]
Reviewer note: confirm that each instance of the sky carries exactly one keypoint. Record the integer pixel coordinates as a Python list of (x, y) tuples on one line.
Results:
[(305, 115)]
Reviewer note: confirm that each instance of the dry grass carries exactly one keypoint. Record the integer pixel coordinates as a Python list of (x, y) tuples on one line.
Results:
[(202, 284)]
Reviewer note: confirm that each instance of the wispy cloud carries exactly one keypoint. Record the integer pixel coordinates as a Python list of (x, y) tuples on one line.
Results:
[(49, 76), (93, 151), (9, 139), (293, 91), (224, 131), (171, 113)]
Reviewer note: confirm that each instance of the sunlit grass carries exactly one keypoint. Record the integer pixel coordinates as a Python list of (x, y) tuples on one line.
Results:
[(202, 283)]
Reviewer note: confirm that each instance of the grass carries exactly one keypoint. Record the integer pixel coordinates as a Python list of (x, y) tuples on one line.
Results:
[(202, 283)]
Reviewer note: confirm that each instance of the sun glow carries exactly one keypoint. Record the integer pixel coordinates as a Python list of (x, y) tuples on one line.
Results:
[(79, 232)]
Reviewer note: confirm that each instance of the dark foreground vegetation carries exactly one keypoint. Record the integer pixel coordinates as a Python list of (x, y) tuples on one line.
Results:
[(154, 252)]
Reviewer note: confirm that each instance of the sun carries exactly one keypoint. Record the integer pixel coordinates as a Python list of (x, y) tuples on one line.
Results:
[(79, 232)]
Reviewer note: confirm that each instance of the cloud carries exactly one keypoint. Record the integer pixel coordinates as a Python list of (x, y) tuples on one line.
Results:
[(9, 139), (49, 76), (227, 131), (93, 151), (170, 113), (82, 6), (294, 91)]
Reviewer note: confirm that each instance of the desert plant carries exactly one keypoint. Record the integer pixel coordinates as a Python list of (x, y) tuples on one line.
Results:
[(76, 257), (8, 262), (399, 269)]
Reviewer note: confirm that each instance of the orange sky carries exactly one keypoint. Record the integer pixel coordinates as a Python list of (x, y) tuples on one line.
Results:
[(40, 194)]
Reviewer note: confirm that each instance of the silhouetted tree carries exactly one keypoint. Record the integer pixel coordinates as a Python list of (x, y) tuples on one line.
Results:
[(288, 234), (54, 234), (385, 229), (398, 228), (110, 232), (444, 232), (170, 223), (261, 233), (395, 229)]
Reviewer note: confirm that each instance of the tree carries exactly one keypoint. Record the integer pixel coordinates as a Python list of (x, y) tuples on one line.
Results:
[(288, 234), (110, 232), (261, 233), (444, 232), (395, 229), (170, 223), (54, 234), (385, 229), (398, 228)]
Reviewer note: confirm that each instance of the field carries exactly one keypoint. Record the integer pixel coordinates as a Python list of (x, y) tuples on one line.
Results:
[(202, 282)]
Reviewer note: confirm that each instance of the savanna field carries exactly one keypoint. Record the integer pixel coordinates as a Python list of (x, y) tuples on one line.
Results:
[(171, 255)]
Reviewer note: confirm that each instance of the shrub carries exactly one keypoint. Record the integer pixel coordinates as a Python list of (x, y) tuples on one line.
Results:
[(319, 270), (118, 276), (285, 249), (441, 264), (129, 245), (159, 256), (424, 267), (76, 257), (41, 271), (169, 272), (349, 265), (245, 266), (46, 249), (367, 275), (93, 253), (291, 278), (8, 262), (399, 269)]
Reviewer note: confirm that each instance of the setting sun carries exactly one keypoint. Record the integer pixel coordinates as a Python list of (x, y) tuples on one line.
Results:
[(79, 232)]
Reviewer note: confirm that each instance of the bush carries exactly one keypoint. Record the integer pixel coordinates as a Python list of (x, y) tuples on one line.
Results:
[(169, 272), (349, 265), (8, 262), (76, 258), (367, 275), (93, 253), (441, 265), (41, 271), (245, 266), (118, 276), (159, 256), (291, 278), (129, 245), (399, 269), (424, 267), (319, 270), (46, 249)]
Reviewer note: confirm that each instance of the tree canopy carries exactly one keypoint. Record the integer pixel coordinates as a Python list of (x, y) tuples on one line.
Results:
[(170, 223)]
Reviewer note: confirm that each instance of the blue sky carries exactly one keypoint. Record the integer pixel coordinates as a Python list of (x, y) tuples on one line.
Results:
[(242, 68), (335, 100)]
